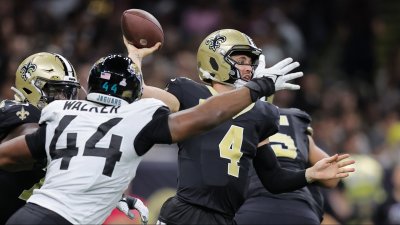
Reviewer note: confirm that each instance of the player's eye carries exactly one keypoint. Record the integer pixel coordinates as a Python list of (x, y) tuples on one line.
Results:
[(243, 62)]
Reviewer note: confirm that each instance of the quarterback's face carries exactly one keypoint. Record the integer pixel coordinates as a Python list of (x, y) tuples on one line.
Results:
[(244, 65)]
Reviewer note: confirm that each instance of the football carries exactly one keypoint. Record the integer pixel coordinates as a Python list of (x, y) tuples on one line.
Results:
[(141, 28)]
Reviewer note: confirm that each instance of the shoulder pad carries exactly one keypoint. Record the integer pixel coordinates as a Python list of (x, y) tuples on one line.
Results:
[(20, 109), (296, 112), (14, 113), (179, 80)]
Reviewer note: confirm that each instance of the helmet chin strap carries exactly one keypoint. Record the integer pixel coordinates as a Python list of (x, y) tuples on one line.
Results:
[(41, 104), (207, 75)]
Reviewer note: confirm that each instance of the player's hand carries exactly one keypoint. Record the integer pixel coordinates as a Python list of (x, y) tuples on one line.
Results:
[(330, 168), (279, 73), (127, 203), (137, 54)]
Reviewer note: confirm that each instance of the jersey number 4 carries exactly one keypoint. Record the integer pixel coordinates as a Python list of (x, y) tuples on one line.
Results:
[(229, 148), (112, 153)]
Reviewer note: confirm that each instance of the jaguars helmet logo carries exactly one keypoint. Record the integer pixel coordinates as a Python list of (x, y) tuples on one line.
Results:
[(27, 70), (215, 42)]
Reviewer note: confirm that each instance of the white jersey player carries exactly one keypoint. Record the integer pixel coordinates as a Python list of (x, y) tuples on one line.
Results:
[(92, 150), (94, 146)]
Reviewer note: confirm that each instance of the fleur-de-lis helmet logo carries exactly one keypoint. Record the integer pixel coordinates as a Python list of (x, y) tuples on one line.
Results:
[(215, 42), (22, 114), (27, 69)]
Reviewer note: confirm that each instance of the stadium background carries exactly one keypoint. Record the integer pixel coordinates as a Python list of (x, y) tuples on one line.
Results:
[(348, 49)]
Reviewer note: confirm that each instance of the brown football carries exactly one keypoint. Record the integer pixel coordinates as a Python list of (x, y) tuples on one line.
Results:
[(141, 28)]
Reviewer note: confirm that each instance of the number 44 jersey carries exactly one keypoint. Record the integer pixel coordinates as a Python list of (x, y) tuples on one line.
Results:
[(92, 152)]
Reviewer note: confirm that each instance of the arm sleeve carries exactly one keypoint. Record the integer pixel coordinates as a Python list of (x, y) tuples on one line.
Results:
[(36, 143), (275, 178), (156, 131)]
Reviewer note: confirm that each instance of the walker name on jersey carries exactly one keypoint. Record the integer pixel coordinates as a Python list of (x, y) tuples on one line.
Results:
[(81, 106)]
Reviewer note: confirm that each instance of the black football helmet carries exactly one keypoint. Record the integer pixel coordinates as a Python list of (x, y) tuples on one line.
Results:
[(114, 79)]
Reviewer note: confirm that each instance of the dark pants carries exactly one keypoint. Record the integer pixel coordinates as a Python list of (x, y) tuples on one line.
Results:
[(35, 214), (264, 210), (175, 212)]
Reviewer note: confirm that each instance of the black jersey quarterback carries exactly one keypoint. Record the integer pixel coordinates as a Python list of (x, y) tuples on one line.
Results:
[(13, 184), (213, 167)]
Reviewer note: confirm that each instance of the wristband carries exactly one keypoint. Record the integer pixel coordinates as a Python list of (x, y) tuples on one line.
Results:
[(131, 202), (260, 87)]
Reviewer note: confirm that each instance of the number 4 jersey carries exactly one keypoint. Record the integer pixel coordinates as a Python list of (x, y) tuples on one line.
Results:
[(214, 166), (93, 152)]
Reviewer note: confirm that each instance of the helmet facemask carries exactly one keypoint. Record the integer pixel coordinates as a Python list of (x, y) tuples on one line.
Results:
[(59, 91), (236, 77)]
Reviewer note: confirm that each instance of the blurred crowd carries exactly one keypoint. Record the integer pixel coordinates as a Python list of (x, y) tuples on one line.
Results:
[(349, 51)]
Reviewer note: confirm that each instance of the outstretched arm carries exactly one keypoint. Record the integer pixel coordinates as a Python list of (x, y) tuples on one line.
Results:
[(137, 55), (218, 109), (316, 154), (333, 167), (277, 179), (205, 116)]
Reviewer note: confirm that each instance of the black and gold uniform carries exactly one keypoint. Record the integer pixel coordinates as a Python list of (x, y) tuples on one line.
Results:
[(214, 166), (302, 206), (13, 184)]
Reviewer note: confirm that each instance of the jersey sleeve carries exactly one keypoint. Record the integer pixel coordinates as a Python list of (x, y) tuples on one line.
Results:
[(36, 143), (155, 132), (305, 120), (48, 111)]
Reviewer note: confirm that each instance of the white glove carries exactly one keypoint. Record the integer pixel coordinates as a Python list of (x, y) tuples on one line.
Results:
[(127, 203), (278, 73)]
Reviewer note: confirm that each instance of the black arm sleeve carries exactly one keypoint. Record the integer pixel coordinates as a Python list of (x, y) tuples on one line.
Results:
[(36, 143), (275, 178), (155, 132)]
